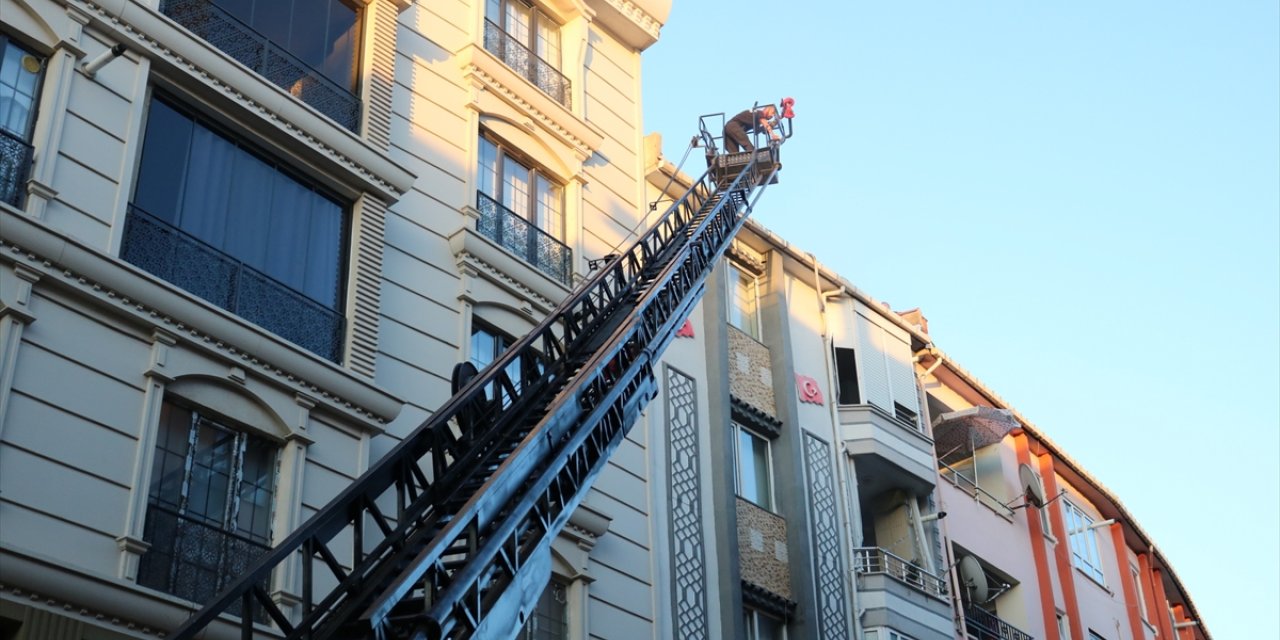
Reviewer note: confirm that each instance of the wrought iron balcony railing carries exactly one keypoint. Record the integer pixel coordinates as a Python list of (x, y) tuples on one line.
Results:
[(541, 73), (192, 559), (15, 168), (519, 236), (190, 263), (252, 49), (984, 625), (873, 560)]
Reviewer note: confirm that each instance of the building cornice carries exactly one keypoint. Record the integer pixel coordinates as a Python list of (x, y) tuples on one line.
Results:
[(126, 292)]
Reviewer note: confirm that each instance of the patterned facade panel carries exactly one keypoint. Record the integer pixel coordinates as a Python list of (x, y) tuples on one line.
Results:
[(828, 567), (688, 553)]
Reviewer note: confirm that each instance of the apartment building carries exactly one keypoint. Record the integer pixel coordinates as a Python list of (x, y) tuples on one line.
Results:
[(246, 241)]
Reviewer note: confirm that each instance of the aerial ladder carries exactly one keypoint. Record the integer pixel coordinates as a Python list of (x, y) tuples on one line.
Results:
[(449, 534)]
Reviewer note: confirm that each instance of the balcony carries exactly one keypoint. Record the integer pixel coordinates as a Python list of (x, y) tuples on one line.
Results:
[(513, 232), (984, 625), (541, 73), (252, 49), (179, 258), (15, 168), (889, 452), (876, 561)]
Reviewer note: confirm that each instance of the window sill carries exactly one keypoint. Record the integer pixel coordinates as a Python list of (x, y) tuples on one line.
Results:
[(1092, 579), (503, 268)]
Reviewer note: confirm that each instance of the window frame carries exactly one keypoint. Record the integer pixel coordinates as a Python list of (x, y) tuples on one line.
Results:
[(350, 83), (531, 212), (1136, 574), (1086, 553), (737, 275), (556, 592), (739, 481), (279, 170), (846, 358), (227, 527), (751, 621), (7, 41), (538, 19)]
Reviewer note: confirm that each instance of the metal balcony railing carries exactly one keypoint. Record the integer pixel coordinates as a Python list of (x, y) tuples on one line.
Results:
[(984, 625), (190, 263), (873, 560), (959, 480), (541, 73), (15, 168), (192, 559), (519, 236), (252, 49)]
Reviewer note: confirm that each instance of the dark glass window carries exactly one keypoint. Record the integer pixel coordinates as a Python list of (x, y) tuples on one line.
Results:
[(325, 34), (521, 188), (255, 238), (550, 619), (20, 75), (847, 375), (209, 513)]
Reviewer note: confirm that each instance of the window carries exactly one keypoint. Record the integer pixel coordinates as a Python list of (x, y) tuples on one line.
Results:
[(755, 473), (309, 48), (1137, 586), (528, 41), (744, 300), (762, 626), (210, 504), (1084, 542), (521, 209), (487, 345), (1064, 631), (550, 619), (20, 75), (1094, 635), (846, 375), (213, 216)]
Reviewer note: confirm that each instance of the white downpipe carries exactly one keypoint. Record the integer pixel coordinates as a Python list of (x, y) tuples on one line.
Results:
[(844, 472)]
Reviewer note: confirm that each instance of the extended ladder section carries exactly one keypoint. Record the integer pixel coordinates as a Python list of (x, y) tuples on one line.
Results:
[(449, 534)]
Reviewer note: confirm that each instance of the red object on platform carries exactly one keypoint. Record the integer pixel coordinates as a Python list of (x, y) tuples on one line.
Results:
[(787, 107)]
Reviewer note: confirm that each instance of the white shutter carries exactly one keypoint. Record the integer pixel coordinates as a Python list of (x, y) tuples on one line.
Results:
[(871, 365), (902, 379)]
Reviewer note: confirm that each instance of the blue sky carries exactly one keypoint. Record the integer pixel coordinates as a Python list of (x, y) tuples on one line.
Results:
[(1083, 199)]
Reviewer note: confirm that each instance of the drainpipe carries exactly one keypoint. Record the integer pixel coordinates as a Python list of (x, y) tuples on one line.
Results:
[(947, 556), (843, 471)]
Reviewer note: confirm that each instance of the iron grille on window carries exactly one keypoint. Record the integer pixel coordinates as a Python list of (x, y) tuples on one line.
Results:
[(516, 55), (15, 167), (194, 265), (515, 234), (984, 625), (256, 51), (209, 510)]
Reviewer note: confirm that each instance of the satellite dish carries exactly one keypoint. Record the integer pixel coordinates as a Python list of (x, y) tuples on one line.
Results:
[(1032, 487), (974, 579)]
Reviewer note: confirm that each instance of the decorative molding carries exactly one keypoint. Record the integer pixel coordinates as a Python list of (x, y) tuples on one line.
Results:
[(369, 225), (685, 330), (828, 570), (73, 611), (753, 418), (493, 75), (485, 259), (158, 38), (758, 597), (808, 390), (128, 304)]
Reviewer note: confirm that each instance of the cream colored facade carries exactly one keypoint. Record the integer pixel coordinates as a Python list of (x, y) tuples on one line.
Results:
[(94, 347)]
